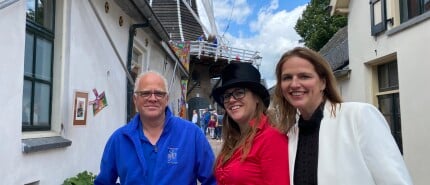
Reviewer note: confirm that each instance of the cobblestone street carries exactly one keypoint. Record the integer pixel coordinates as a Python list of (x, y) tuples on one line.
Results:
[(215, 144)]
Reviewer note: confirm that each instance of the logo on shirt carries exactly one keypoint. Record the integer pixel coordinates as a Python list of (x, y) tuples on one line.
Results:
[(172, 156)]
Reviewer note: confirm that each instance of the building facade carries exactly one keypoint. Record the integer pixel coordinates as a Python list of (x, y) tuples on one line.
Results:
[(388, 63), (67, 74)]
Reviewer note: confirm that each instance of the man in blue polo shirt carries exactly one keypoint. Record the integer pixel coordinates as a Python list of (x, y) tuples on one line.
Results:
[(156, 147)]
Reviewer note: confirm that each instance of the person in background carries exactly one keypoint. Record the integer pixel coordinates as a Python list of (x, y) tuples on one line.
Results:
[(195, 117), (218, 128), (201, 38), (211, 126), (253, 152), (213, 43), (331, 142), (156, 147), (206, 117)]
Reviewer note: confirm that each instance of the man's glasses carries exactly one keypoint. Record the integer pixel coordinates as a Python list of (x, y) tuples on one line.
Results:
[(147, 94), (237, 94)]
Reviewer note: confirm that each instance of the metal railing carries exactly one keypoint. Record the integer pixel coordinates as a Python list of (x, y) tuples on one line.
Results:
[(203, 48)]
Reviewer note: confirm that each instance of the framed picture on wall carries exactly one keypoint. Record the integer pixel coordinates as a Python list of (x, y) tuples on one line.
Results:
[(80, 108)]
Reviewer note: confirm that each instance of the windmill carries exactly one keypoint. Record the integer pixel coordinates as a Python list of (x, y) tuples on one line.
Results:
[(206, 57)]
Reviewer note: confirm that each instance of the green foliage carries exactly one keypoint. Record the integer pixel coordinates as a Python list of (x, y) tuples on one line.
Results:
[(83, 178), (316, 26)]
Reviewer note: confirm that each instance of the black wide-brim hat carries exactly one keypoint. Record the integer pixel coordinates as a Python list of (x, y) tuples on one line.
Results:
[(239, 74)]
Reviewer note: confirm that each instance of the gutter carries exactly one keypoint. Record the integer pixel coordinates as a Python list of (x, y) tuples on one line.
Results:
[(141, 11)]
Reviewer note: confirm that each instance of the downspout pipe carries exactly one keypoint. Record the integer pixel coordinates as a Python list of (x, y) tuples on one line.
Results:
[(130, 86)]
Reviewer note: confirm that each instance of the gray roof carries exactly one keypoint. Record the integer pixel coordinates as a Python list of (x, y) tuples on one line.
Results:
[(142, 12), (167, 12), (335, 51)]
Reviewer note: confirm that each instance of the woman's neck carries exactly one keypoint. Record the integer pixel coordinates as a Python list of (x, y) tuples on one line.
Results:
[(307, 113)]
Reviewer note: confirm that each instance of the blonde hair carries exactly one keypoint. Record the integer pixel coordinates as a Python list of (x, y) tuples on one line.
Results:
[(283, 113)]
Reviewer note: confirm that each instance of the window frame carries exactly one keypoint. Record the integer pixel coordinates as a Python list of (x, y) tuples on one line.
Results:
[(382, 26), (395, 116), (137, 60), (390, 93), (39, 31), (388, 69), (405, 9)]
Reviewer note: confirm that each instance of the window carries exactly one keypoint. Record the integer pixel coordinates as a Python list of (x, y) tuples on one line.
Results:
[(377, 16), (136, 69), (38, 62), (412, 8), (388, 98), (388, 77)]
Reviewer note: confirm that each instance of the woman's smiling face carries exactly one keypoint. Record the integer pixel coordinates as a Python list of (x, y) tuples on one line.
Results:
[(301, 85), (242, 109)]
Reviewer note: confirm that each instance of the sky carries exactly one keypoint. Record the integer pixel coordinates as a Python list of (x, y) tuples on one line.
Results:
[(266, 26)]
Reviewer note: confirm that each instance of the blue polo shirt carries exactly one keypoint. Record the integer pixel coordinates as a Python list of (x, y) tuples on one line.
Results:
[(150, 153)]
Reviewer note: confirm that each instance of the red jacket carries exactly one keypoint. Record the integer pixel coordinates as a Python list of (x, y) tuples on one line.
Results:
[(212, 123), (266, 163)]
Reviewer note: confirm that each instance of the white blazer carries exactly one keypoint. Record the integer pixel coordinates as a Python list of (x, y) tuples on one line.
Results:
[(355, 148)]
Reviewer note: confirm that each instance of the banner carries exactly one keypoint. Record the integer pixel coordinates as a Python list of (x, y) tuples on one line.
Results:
[(182, 102), (182, 50)]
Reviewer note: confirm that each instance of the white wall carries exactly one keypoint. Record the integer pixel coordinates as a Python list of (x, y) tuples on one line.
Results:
[(414, 64), (12, 40), (84, 59), (413, 55)]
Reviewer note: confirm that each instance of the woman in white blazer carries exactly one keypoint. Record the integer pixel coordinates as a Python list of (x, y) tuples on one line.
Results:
[(331, 142)]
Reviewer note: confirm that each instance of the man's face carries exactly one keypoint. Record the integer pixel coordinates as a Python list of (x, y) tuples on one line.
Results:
[(150, 97)]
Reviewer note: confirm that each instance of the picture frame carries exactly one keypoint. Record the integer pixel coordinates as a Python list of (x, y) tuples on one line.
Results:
[(80, 108)]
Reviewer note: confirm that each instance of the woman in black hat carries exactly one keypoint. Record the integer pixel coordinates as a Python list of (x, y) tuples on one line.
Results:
[(254, 152)]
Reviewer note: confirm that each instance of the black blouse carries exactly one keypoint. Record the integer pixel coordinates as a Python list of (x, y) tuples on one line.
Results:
[(306, 165)]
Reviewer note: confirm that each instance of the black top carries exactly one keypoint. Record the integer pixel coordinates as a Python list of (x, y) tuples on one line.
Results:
[(306, 165)]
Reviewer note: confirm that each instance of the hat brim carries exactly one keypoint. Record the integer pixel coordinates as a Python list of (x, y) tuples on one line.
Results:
[(256, 88)]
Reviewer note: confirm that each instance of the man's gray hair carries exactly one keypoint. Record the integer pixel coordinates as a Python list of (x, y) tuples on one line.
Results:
[(137, 81)]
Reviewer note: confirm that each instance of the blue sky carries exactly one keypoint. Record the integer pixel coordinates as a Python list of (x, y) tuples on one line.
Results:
[(238, 28), (266, 26)]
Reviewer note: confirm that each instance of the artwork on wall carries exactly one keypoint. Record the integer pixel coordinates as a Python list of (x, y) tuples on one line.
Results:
[(99, 103), (80, 108), (182, 50), (182, 102)]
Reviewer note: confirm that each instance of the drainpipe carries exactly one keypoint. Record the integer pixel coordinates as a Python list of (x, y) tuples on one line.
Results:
[(130, 87)]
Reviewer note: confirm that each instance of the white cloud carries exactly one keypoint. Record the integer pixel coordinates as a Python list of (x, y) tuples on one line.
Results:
[(236, 11), (274, 4), (273, 31), (275, 35)]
